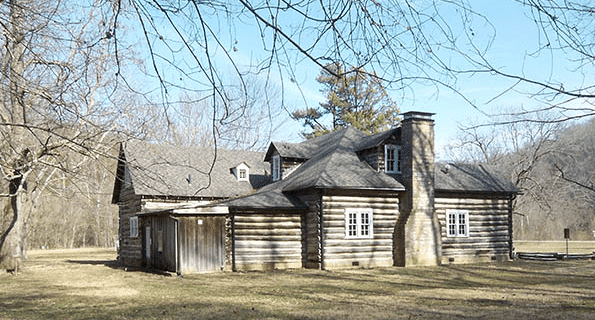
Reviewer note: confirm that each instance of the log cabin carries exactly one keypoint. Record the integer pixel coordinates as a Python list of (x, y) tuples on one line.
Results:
[(344, 199)]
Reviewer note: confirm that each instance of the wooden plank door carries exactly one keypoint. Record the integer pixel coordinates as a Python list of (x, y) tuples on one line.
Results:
[(202, 244)]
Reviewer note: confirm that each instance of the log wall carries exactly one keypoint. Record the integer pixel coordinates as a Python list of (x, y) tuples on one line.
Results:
[(374, 157), (267, 241), (312, 230), (489, 230), (130, 249), (339, 252)]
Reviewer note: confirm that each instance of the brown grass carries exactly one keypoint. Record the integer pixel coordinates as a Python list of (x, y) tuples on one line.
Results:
[(574, 247), (85, 284)]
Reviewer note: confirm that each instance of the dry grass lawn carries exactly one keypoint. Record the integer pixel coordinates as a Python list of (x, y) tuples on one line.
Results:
[(577, 247), (85, 284)]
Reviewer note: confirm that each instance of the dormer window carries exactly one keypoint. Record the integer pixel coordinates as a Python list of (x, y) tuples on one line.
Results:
[(276, 167), (242, 172), (392, 158)]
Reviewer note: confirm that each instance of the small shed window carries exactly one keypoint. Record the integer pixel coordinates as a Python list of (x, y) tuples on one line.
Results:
[(276, 167), (457, 223), (358, 223), (392, 158), (133, 227)]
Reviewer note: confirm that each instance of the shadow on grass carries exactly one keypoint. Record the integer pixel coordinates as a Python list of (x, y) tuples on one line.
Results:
[(115, 264)]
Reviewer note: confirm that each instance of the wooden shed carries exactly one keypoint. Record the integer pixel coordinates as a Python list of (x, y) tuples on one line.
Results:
[(185, 242)]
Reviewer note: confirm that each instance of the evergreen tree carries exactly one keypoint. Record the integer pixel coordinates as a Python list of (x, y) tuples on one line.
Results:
[(353, 98)]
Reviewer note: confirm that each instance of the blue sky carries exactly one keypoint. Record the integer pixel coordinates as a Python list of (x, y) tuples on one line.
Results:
[(514, 50)]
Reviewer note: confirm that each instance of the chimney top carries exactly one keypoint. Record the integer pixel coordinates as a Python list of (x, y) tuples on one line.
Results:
[(418, 115)]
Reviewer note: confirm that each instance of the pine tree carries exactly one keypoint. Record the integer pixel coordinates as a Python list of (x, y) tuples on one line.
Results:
[(353, 98)]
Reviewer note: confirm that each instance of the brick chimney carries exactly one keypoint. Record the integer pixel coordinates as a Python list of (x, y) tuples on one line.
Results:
[(417, 237)]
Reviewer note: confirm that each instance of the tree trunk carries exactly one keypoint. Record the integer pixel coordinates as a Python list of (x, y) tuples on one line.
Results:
[(11, 241)]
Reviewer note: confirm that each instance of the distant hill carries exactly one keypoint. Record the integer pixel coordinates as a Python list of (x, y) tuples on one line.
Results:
[(559, 191)]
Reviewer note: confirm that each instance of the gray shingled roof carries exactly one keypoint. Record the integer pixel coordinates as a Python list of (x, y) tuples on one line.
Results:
[(162, 170), (464, 177), (339, 169), (309, 148), (377, 139), (335, 165)]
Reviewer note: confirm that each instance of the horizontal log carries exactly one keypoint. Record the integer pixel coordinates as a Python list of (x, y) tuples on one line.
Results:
[(389, 212), (357, 242), (267, 218), (479, 234), (376, 223), (341, 236), (265, 259), (350, 199), (489, 224), (357, 255), (473, 252), (478, 212), (281, 254), (475, 246), (268, 246), (482, 219), (268, 238), (268, 232), (349, 249), (278, 225), (496, 229), (341, 230), (476, 239), (463, 201)]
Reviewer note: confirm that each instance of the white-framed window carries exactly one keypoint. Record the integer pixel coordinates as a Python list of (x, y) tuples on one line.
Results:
[(457, 223), (392, 158), (359, 223), (242, 172), (276, 167), (133, 227)]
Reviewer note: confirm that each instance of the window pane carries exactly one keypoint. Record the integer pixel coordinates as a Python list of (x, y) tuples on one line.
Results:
[(398, 160), (352, 224), (462, 224), (365, 225), (451, 224), (389, 158)]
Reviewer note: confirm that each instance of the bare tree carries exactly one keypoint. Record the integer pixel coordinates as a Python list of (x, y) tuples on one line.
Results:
[(58, 95), (246, 120), (401, 43)]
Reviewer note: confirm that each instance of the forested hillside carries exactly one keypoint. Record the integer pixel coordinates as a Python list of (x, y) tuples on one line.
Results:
[(552, 163), (560, 190), (71, 207)]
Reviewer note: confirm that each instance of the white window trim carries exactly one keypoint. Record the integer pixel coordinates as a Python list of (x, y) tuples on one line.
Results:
[(276, 167), (456, 215), (397, 158), (359, 213), (133, 221), (238, 172)]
